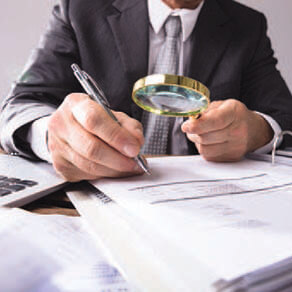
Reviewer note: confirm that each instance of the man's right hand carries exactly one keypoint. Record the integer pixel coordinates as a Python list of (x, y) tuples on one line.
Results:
[(85, 143)]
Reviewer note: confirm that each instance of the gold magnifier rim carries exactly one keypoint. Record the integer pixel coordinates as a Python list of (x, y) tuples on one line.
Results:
[(175, 80)]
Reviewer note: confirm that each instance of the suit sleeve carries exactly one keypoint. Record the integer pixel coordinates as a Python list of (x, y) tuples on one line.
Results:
[(44, 83), (263, 87)]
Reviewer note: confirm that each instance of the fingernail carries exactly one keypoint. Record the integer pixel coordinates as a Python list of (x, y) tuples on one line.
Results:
[(130, 150)]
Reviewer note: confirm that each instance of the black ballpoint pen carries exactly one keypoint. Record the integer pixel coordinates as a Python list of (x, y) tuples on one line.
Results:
[(95, 92)]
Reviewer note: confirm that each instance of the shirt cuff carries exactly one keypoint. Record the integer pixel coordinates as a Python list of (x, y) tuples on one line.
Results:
[(277, 130), (37, 137)]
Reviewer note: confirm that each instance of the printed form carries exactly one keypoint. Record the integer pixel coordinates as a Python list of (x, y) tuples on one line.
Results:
[(233, 217), (52, 253)]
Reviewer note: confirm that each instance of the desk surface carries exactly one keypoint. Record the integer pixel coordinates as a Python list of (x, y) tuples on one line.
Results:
[(55, 203)]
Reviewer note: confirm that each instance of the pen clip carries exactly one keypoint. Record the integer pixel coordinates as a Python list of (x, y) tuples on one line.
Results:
[(99, 90)]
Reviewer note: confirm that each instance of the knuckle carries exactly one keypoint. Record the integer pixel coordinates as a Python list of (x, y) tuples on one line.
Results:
[(80, 163), (92, 168), (93, 150), (69, 100), (232, 102), (137, 125), (91, 119), (72, 98), (239, 109), (115, 135), (219, 119), (125, 118)]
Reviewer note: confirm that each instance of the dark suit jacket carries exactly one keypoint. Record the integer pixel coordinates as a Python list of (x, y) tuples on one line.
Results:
[(231, 54)]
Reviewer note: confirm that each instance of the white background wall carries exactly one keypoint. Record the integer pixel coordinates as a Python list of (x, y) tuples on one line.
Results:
[(279, 15), (21, 24), (22, 21)]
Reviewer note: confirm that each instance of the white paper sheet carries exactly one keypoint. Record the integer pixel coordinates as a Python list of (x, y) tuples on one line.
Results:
[(50, 253), (234, 217), (150, 262)]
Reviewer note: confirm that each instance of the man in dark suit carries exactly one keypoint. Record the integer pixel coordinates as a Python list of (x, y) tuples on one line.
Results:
[(116, 41)]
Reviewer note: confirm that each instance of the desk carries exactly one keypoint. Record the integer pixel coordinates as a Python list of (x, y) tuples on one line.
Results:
[(55, 203)]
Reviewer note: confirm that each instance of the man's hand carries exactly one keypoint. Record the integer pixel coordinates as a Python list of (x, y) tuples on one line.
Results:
[(85, 143), (227, 131)]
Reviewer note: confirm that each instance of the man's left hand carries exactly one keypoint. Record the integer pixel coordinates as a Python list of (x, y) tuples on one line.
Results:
[(227, 131)]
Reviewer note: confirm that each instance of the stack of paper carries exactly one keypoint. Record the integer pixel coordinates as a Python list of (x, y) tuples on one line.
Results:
[(52, 253), (197, 226)]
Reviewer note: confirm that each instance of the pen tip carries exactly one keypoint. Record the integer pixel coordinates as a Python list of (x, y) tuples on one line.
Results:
[(148, 172)]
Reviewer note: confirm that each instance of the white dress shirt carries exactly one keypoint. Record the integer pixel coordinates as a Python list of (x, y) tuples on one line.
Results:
[(158, 13)]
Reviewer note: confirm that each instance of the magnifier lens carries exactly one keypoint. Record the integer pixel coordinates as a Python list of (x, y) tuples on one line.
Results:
[(171, 99)]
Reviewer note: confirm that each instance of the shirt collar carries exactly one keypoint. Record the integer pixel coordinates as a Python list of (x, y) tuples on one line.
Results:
[(159, 11)]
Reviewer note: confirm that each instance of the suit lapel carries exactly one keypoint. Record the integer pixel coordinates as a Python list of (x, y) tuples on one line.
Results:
[(130, 29), (211, 37)]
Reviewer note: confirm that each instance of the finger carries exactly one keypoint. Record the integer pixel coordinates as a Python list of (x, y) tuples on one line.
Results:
[(104, 161), (215, 137), (218, 117), (94, 149), (68, 171), (113, 170), (212, 152), (132, 125), (89, 169), (60, 121), (223, 152), (95, 120), (62, 164), (62, 124)]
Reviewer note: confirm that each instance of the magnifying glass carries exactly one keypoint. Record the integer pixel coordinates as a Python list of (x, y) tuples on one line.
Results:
[(171, 95)]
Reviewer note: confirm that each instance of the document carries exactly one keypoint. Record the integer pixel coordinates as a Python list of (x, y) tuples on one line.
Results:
[(52, 253), (234, 218)]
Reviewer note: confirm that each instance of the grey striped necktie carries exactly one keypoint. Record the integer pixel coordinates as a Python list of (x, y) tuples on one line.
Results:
[(156, 128)]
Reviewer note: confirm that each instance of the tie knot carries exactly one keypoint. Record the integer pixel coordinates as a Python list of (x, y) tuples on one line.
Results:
[(172, 26)]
